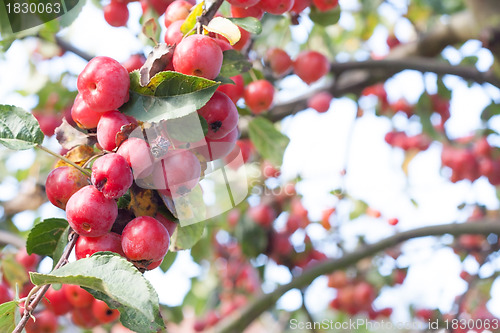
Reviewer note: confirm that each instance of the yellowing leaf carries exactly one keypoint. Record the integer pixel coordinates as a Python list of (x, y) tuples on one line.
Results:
[(80, 155), (409, 156), (190, 21), (224, 27)]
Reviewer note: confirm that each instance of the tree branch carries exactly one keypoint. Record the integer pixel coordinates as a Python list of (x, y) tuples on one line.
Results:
[(38, 296), (354, 76), (8, 238), (241, 319), (71, 48)]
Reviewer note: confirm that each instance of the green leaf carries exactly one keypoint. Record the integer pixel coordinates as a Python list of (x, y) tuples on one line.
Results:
[(19, 129), (442, 89), (168, 95), (150, 29), (358, 209), (8, 316), (250, 24), (268, 141), (234, 63), (168, 260), (424, 111), (186, 237), (124, 286), (491, 110), (325, 18), (13, 271), (48, 238)]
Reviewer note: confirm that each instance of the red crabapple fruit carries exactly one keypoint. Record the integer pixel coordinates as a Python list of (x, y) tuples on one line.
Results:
[(276, 7), (198, 55), (111, 174), (325, 5), (44, 321), (254, 11), (138, 156), (57, 301), (109, 125), (217, 148), (90, 213), (234, 91), (174, 34), (310, 66), (134, 62), (62, 183), (104, 84), (103, 312), (77, 296), (279, 61), (243, 3), (145, 239), (320, 101), (84, 116), (259, 96), (177, 10), (221, 115), (87, 246), (262, 214), (177, 173), (116, 13)]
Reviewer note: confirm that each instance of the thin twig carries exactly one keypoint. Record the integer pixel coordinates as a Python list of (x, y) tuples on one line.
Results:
[(38, 296), (47, 150)]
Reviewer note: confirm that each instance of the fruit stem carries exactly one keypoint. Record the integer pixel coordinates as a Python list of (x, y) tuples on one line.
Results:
[(47, 150)]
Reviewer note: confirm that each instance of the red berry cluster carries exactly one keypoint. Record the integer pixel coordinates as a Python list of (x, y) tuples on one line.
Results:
[(470, 159), (419, 142), (355, 296)]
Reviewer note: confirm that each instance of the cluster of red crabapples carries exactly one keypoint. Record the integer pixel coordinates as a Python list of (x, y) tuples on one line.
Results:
[(258, 95)]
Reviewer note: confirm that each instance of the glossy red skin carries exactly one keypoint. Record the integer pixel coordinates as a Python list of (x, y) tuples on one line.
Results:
[(104, 84), (174, 34), (259, 96), (29, 261), (198, 55), (320, 101), (111, 174), (253, 11), (109, 125), (325, 5), (78, 297), (223, 44), (138, 156), (154, 264), (276, 7), (84, 116), (145, 238), (243, 3), (311, 66), (218, 148), (244, 40), (233, 91), (177, 173), (177, 10), (87, 246), (62, 183), (134, 62), (90, 213), (116, 13), (57, 301), (48, 122), (279, 61), (45, 321), (159, 6), (262, 214), (300, 5), (84, 317), (221, 115), (168, 224), (103, 313)]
